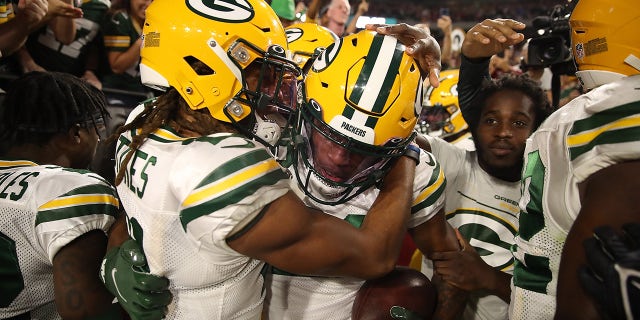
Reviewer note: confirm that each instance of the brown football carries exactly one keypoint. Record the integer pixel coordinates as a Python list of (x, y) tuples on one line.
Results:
[(403, 287)]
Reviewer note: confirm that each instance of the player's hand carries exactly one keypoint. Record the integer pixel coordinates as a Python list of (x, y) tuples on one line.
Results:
[(420, 45), (143, 295), (464, 269), (613, 275), (490, 37)]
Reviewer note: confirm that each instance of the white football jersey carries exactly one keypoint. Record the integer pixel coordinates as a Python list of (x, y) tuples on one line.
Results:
[(321, 298), (464, 142), (184, 197), (42, 209), (485, 210), (592, 132)]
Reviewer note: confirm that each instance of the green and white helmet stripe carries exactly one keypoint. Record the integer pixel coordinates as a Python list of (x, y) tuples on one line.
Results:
[(370, 93)]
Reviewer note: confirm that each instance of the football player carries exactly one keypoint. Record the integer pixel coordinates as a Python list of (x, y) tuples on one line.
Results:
[(204, 197), (361, 105), (441, 115), (53, 214), (582, 166), (483, 187)]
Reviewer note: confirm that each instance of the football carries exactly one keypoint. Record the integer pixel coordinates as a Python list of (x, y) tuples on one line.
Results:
[(403, 287)]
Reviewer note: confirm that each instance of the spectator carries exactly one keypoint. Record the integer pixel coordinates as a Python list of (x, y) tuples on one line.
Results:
[(483, 186), (53, 214), (444, 23), (285, 9), (541, 74), (581, 166), (333, 16), (223, 234), (348, 138), (363, 7), (15, 27), (122, 42), (79, 58), (121, 81)]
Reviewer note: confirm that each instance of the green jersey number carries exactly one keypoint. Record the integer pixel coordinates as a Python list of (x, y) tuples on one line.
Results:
[(533, 273), (10, 275)]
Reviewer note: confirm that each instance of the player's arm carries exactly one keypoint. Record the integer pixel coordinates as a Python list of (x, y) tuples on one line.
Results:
[(301, 240), (423, 143), (608, 197), (482, 41), (79, 294), (141, 294), (436, 235)]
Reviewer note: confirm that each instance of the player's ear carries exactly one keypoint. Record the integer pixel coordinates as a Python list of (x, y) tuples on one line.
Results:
[(74, 134)]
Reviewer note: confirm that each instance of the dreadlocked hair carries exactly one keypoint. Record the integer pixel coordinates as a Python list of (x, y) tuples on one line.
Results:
[(171, 110), (39, 105)]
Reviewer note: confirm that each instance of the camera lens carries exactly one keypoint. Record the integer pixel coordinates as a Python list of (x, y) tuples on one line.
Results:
[(551, 53)]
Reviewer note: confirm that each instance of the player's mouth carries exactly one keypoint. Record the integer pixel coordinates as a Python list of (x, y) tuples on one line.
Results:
[(501, 149)]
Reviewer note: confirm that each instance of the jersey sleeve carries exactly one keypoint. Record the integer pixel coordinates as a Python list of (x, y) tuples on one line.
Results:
[(116, 34), (472, 74), (89, 203), (429, 187), (221, 198), (450, 157), (610, 133)]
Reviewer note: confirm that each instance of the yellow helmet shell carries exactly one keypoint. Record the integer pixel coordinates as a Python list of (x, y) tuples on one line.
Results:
[(446, 96), (305, 38), (604, 33), (177, 33), (365, 88)]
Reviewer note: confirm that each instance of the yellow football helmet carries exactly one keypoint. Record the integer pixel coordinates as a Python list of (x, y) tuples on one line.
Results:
[(239, 48), (305, 38), (441, 115), (361, 94), (605, 40)]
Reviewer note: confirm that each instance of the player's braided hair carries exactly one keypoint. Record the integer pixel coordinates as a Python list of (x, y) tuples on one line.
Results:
[(39, 105), (168, 109)]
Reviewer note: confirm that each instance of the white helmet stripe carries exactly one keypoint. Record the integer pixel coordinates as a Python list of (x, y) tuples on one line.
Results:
[(374, 83)]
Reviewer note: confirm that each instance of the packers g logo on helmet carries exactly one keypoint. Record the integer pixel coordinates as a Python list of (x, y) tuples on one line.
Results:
[(306, 39), (293, 34), (222, 10), (326, 57)]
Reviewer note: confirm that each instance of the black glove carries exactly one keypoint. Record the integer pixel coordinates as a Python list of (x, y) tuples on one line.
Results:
[(143, 295), (613, 275)]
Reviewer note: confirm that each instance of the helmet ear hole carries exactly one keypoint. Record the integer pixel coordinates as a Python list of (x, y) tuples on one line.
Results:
[(198, 66)]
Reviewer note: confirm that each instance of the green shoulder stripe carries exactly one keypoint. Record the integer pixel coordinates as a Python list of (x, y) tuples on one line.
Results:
[(229, 197), (76, 211), (432, 191), (237, 164), (617, 125)]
